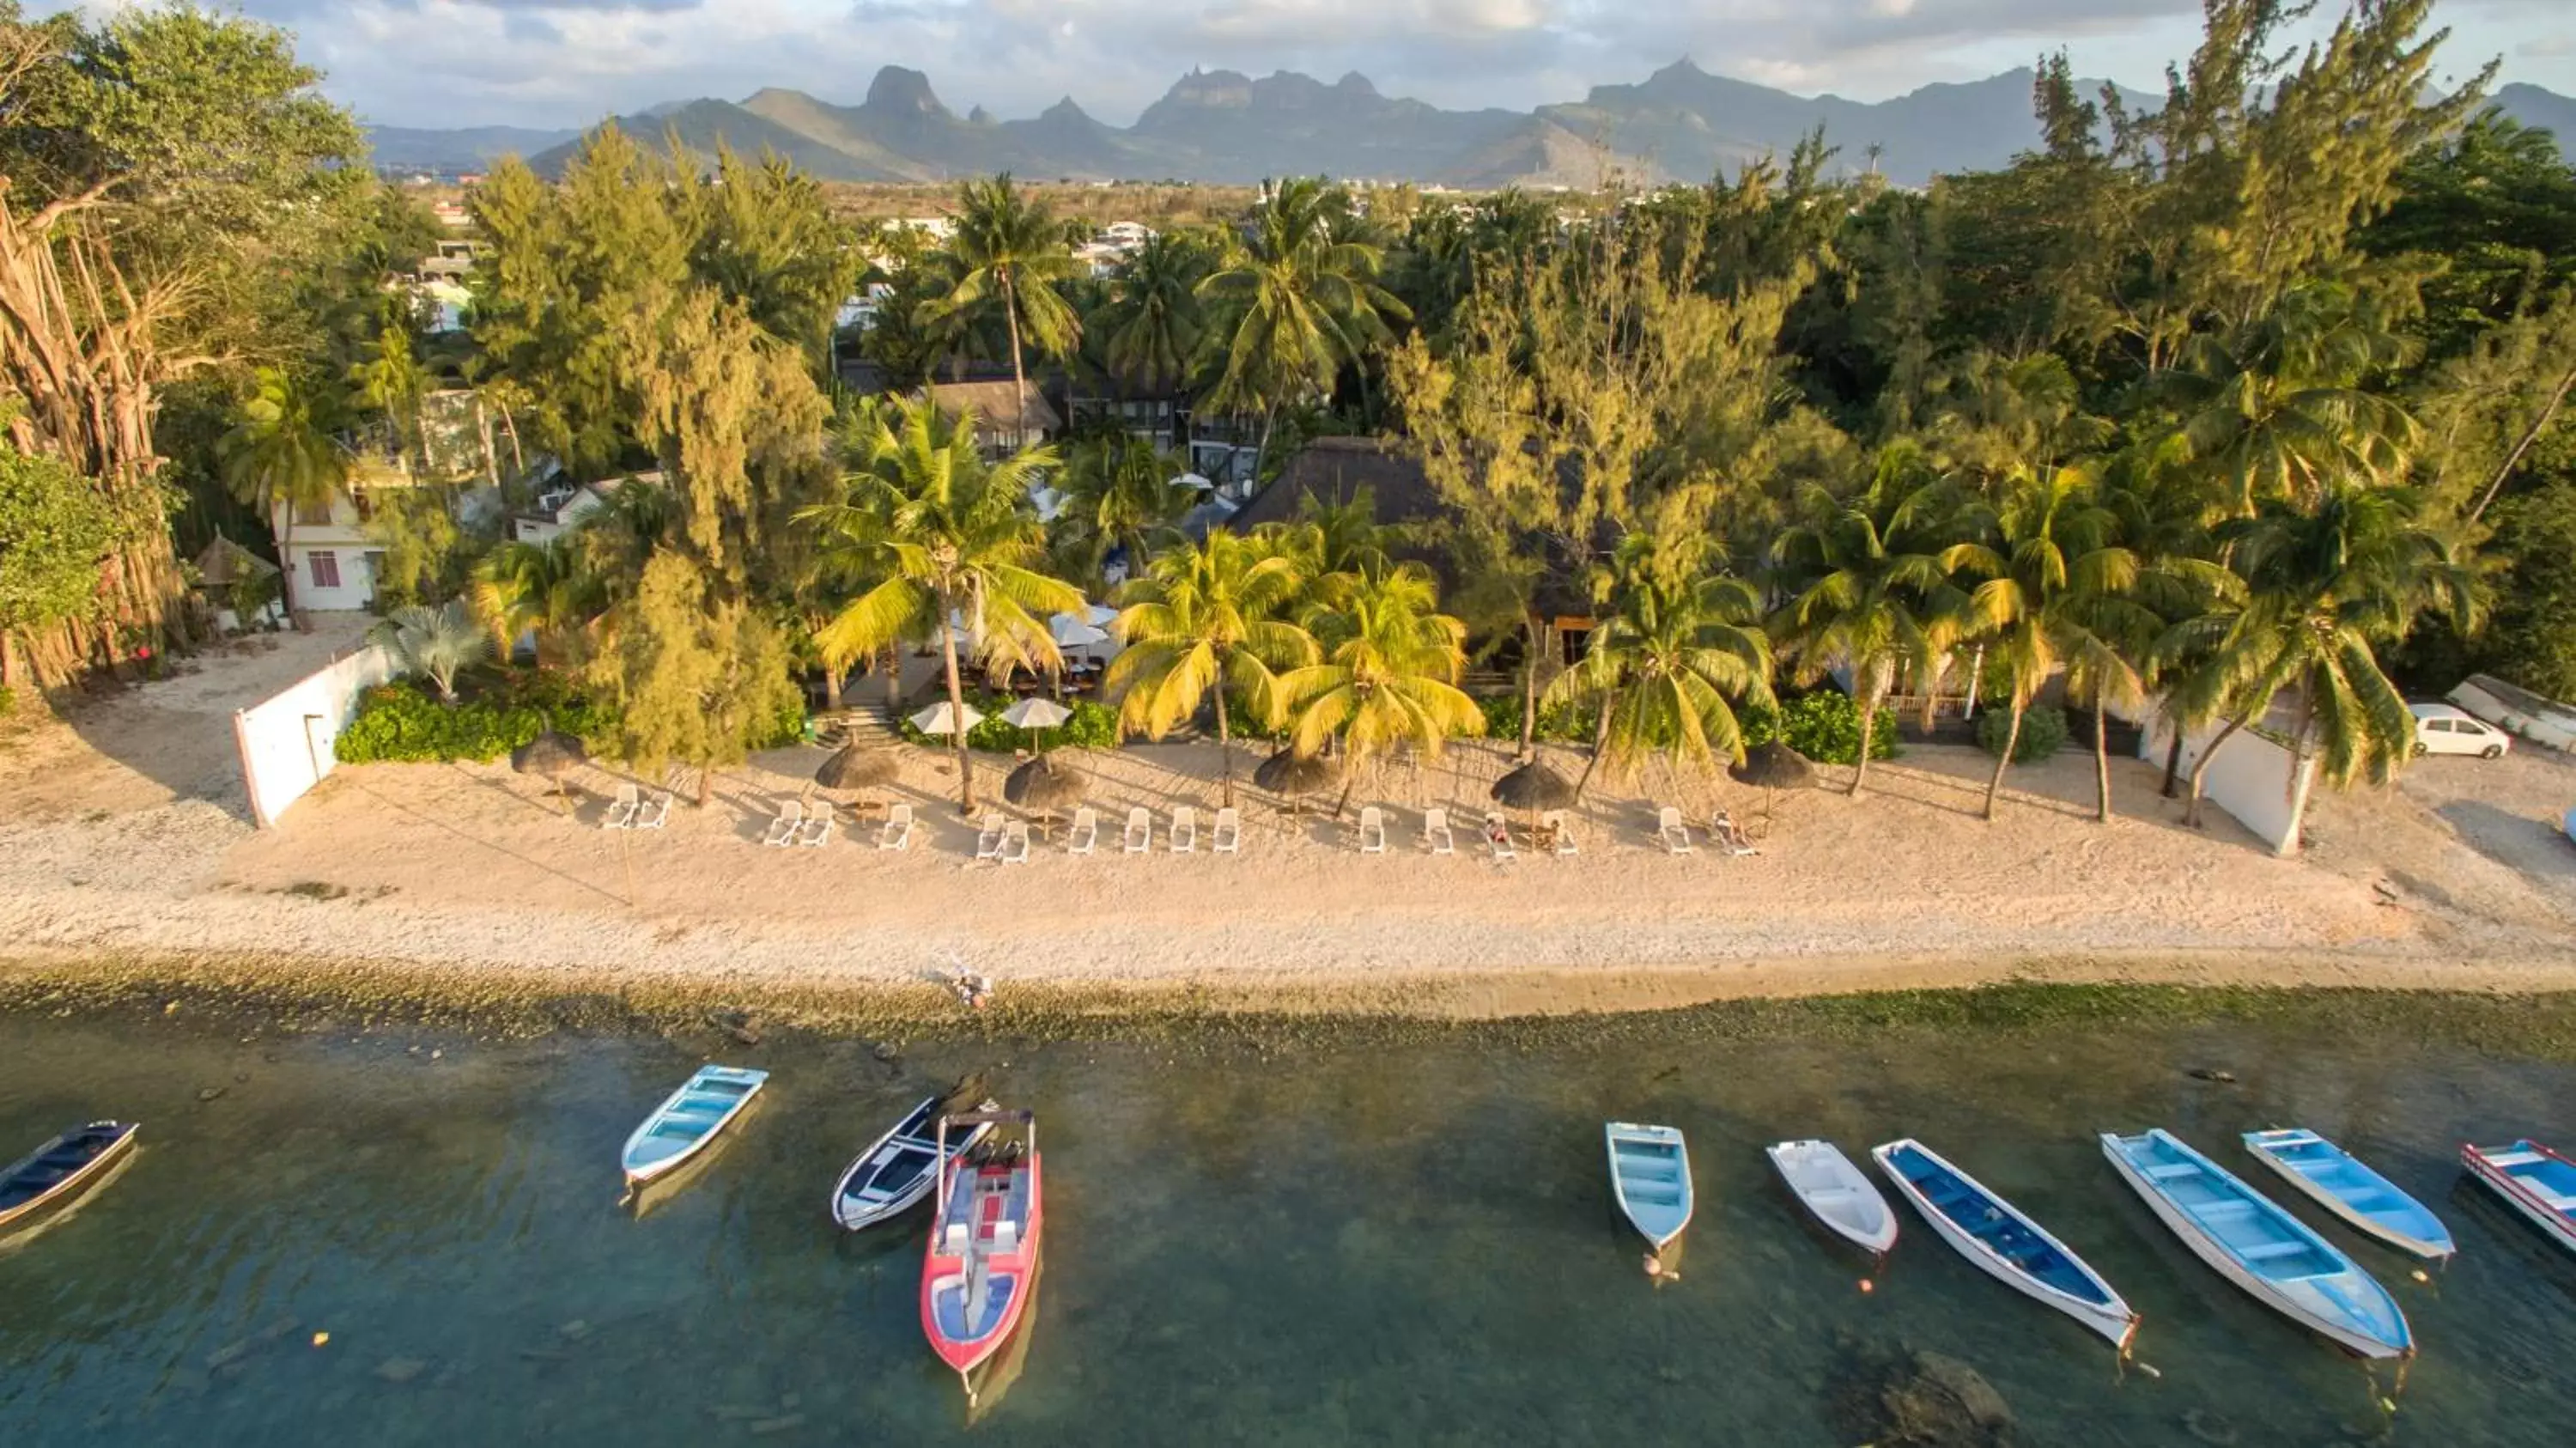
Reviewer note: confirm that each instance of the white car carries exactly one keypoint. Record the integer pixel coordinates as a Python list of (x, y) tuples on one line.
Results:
[(2446, 729)]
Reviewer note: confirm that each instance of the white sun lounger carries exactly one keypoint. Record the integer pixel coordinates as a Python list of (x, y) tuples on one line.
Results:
[(1498, 836), (1185, 831), (1085, 834), (621, 811), (1227, 839), (988, 837), (1670, 829), (897, 834), (654, 812), (1140, 830), (791, 818), (818, 826), (1729, 835), (1015, 843), (1435, 832), (1372, 831), (1556, 820)]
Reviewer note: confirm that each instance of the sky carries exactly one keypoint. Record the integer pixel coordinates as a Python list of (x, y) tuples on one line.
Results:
[(566, 63)]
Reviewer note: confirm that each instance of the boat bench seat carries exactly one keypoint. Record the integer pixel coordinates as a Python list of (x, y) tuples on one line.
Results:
[(2270, 1250), (2226, 1210), (2513, 1158), (2172, 1171), (2555, 1201)]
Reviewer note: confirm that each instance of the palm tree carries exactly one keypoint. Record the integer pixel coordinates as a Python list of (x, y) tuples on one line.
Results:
[(390, 379), (2278, 408), (1296, 301), (1009, 250), (1152, 324), (283, 456), (2317, 589), (1119, 494), (541, 587), (1388, 670), (1867, 587), (438, 642), (1201, 619), (946, 535), (1667, 665)]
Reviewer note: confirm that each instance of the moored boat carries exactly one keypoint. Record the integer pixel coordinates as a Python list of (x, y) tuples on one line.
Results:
[(2533, 1180), (2337, 1181), (688, 1120), (978, 1276), (2003, 1241), (900, 1168), (58, 1174), (1651, 1178), (1835, 1193), (2251, 1241)]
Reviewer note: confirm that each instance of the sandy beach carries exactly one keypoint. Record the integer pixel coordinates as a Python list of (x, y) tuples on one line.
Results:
[(123, 838)]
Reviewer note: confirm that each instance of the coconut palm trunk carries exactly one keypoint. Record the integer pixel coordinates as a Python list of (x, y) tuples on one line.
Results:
[(1600, 746), (1881, 672), (1019, 372), (286, 573), (2101, 761), (957, 713), (2200, 769), (1224, 753), (2003, 761), (1534, 639)]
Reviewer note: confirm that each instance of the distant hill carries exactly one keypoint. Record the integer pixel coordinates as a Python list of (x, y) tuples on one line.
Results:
[(403, 148), (1681, 123)]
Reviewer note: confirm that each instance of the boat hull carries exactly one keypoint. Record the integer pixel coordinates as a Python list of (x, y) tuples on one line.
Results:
[(62, 1173), (2518, 1194), (1650, 1178), (857, 1209), (2302, 1306), (2113, 1319), (687, 1134), (1830, 1189), (1012, 1273), (2428, 1239)]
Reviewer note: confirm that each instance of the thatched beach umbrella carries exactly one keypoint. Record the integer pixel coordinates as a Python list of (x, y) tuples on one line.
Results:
[(859, 766), (1533, 787), (1291, 775), (1771, 768), (1046, 787), (552, 755)]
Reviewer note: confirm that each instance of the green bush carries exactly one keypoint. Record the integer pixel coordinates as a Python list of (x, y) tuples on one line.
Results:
[(8, 701), (402, 724), (1093, 726), (2043, 732), (1564, 722), (1824, 726)]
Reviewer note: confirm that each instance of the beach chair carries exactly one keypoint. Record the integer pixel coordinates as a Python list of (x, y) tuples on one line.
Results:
[(1435, 832), (654, 812), (1085, 834), (783, 829), (897, 834), (1560, 829), (1372, 830), (1498, 836), (817, 830), (1730, 836), (1140, 830), (1185, 830), (1015, 843), (988, 836), (1227, 838), (1670, 829), (621, 810)]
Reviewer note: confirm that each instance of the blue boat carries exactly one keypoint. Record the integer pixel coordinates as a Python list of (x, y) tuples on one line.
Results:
[(2251, 1241), (1651, 1177), (2005, 1244), (2337, 1181), (2533, 1180), (683, 1125)]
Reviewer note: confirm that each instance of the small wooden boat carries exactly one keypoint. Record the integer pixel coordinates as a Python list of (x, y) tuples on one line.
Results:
[(977, 1278), (2003, 1242), (56, 1175), (1650, 1175), (2251, 1241), (2337, 1181), (892, 1176), (682, 1126), (2533, 1180), (1836, 1193)]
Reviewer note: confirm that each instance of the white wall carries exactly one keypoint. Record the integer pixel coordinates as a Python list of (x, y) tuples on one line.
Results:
[(287, 741), (2250, 778), (357, 590)]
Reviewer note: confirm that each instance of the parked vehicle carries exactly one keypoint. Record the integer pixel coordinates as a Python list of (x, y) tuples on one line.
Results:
[(2448, 729)]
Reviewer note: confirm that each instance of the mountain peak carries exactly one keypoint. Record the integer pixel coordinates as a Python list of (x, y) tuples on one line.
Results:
[(1355, 84), (899, 89), (1065, 111)]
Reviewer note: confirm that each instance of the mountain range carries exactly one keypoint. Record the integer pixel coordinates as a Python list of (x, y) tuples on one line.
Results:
[(1681, 123)]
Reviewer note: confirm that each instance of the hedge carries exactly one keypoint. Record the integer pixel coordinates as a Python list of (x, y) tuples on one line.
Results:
[(401, 724), (1824, 726), (2043, 731)]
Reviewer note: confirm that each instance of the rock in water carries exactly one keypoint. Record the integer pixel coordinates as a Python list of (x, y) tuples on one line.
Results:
[(1918, 1400)]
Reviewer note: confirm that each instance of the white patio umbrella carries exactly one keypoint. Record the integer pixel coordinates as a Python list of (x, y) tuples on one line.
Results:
[(1035, 714), (1194, 480), (1099, 615), (939, 720), (1071, 631)]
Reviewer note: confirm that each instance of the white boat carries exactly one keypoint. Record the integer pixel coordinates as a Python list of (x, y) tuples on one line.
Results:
[(901, 1167), (2004, 1243), (1650, 1175), (688, 1120), (2533, 1180), (2337, 1181), (2248, 1239), (1836, 1193)]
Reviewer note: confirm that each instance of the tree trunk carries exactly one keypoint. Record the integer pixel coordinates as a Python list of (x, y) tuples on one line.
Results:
[(483, 429), (2003, 761), (518, 459), (706, 782), (2173, 760), (1224, 752), (1532, 641), (2303, 780), (2200, 770), (1019, 374), (286, 572), (957, 717), (1876, 691), (894, 678), (1600, 746), (2530, 435), (832, 687), (2101, 762)]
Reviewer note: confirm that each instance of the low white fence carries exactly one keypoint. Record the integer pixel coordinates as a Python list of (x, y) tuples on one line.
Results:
[(2518, 711), (287, 741), (2249, 779)]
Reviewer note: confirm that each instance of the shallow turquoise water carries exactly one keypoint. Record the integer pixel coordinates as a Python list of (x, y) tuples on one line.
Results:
[(1339, 1244)]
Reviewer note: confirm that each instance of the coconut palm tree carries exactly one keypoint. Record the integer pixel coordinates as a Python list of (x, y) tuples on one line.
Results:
[(1295, 301), (1207, 619), (283, 456), (1866, 585), (1119, 494), (1152, 327), (945, 535), (541, 587), (437, 642), (1009, 252), (1388, 671), (1666, 667), (2278, 407)]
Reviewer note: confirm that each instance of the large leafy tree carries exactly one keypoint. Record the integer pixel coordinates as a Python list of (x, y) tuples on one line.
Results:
[(54, 531), (1387, 677), (1010, 255), (955, 548), (1675, 654), (1208, 620)]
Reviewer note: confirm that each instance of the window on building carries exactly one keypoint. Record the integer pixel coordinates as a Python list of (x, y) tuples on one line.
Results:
[(326, 568), (313, 514)]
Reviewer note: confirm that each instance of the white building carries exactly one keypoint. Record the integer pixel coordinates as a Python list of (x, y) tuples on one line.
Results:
[(562, 506)]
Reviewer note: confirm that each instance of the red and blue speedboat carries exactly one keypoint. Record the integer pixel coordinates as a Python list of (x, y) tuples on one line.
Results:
[(981, 1271)]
